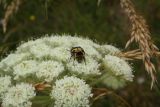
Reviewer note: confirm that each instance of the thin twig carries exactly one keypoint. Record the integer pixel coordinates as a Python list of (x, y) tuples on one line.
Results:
[(100, 92)]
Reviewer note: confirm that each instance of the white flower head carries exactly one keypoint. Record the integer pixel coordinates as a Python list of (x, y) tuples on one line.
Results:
[(5, 83), (19, 96), (58, 41), (60, 53), (78, 40), (12, 60), (49, 70), (25, 68), (118, 67), (40, 50), (25, 47), (71, 92), (90, 67), (108, 49)]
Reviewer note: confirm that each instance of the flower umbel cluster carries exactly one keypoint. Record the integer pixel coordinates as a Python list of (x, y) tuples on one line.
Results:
[(18, 96), (5, 83), (74, 92), (49, 60)]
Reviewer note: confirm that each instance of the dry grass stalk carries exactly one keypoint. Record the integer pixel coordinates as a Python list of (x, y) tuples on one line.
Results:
[(10, 10), (140, 33), (131, 55)]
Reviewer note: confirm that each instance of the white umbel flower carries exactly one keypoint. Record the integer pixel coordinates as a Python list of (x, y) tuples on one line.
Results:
[(90, 67), (108, 49), (25, 68), (71, 92), (12, 60), (118, 72), (40, 50), (49, 70), (58, 41), (118, 66), (60, 54), (25, 47), (5, 83), (19, 96)]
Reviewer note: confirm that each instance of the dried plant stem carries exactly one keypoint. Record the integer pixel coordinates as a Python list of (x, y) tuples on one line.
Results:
[(140, 33), (100, 92), (133, 55), (12, 8), (41, 86)]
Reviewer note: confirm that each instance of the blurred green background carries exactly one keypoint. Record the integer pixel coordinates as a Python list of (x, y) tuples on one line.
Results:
[(105, 23)]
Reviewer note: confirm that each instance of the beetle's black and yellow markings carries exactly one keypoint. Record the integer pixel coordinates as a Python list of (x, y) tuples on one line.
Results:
[(78, 54)]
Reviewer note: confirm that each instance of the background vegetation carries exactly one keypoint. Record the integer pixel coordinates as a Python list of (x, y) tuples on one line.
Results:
[(105, 23)]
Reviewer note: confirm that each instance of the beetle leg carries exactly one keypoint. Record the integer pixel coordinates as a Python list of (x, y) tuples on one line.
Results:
[(84, 59), (70, 58), (74, 58)]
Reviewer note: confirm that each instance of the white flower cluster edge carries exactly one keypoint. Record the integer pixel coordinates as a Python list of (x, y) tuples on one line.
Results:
[(49, 59)]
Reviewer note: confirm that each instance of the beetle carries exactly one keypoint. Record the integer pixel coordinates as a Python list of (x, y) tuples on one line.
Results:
[(78, 54)]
